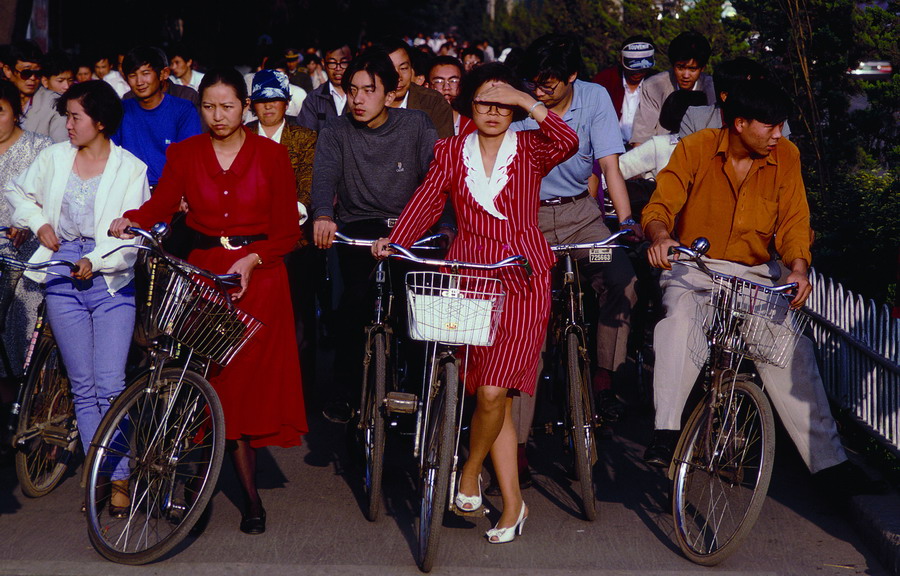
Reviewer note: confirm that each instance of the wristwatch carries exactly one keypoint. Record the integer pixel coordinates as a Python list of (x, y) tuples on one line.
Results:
[(628, 222)]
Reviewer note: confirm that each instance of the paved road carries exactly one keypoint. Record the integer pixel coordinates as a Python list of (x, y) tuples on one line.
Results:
[(316, 525)]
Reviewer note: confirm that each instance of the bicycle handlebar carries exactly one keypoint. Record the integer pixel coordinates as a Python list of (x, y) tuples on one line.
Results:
[(420, 244), (698, 249), (606, 243), (404, 254)]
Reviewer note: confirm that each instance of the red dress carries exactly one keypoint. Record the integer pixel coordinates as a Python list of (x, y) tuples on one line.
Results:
[(513, 359), (260, 390)]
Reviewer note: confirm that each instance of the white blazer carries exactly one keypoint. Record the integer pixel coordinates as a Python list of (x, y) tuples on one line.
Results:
[(36, 198)]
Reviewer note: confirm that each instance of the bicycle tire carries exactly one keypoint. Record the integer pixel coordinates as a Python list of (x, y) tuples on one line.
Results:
[(581, 423), (46, 435), (172, 431), (435, 475), (716, 500), (373, 424)]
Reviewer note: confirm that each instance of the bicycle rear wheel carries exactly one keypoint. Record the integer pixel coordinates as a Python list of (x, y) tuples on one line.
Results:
[(581, 422), (722, 473), (372, 422), (438, 445), (170, 432), (46, 435)]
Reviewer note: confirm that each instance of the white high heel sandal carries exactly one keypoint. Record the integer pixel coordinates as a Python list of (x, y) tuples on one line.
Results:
[(503, 535), (469, 503)]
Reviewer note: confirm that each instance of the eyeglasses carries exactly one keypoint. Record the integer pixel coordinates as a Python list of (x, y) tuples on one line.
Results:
[(438, 82), (29, 74), (533, 87), (333, 64), (485, 108)]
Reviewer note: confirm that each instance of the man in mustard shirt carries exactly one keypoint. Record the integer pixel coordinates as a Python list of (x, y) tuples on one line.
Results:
[(740, 187)]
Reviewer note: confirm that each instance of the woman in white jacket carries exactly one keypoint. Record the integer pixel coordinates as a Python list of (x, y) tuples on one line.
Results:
[(68, 197)]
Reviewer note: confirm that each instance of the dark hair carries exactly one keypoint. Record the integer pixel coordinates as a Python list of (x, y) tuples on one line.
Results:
[(180, 50), (137, 57), (676, 104), (690, 45), (334, 44), (473, 51), (390, 45), (446, 61), (421, 62), (277, 63), (758, 100), (10, 93), (375, 62), (228, 77), (25, 51), (100, 102), (727, 74), (310, 58), (55, 63), (475, 79), (552, 56)]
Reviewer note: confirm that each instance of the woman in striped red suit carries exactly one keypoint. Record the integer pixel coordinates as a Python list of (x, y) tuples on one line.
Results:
[(493, 178)]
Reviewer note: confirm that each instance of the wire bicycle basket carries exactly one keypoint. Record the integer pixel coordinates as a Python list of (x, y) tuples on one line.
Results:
[(752, 320), (453, 308)]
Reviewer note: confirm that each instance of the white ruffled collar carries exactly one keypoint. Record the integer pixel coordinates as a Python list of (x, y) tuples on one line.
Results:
[(483, 188)]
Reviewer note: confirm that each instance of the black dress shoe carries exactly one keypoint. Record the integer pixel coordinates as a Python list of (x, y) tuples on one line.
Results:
[(839, 483), (254, 524), (662, 447)]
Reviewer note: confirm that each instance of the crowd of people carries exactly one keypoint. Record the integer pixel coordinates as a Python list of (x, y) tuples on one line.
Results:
[(504, 153)]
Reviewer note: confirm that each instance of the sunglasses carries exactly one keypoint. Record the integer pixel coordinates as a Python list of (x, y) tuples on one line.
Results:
[(485, 108), (29, 74)]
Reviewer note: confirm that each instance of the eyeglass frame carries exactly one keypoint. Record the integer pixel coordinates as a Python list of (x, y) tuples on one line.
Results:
[(28, 73), (533, 87), (500, 108), (335, 64), (452, 81)]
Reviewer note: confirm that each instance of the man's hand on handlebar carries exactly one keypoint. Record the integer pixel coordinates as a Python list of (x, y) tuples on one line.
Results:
[(118, 226), (380, 249), (323, 232), (800, 275), (85, 270)]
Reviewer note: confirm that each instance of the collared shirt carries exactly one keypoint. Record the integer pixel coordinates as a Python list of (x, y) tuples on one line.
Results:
[(340, 100), (593, 117), (697, 194), (405, 102), (630, 101), (276, 137)]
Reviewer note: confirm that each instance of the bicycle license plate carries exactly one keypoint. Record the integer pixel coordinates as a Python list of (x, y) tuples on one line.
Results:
[(601, 255)]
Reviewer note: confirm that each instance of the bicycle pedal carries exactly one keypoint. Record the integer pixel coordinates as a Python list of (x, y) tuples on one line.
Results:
[(401, 403), (477, 513), (56, 436)]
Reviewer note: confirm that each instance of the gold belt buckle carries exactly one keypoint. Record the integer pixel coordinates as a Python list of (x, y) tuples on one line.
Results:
[(226, 243)]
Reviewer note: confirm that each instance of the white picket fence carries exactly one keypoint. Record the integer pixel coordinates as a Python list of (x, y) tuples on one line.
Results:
[(859, 348)]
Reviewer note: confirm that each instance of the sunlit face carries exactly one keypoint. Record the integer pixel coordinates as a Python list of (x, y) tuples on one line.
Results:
[(336, 63), (222, 110), (368, 100), (26, 76), (687, 72), (179, 66), (59, 83), (102, 68), (490, 119), (82, 129), (145, 82), (758, 138), (404, 69), (83, 74), (445, 79), (270, 112), (7, 120)]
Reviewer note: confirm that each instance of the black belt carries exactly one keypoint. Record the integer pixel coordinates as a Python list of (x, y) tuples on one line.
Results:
[(560, 200), (204, 242)]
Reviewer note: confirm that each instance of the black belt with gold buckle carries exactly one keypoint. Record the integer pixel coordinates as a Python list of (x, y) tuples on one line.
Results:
[(204, 242), (560, 200)]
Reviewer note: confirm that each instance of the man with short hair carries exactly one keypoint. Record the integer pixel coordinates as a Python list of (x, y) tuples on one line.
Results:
[(181, 65), (152, 119), (58, 72), (741, 188), (689, 52), (104, 70), (367, 165), (411, 95), (624, 82), (23, 68), (328, 100), (444, 77)]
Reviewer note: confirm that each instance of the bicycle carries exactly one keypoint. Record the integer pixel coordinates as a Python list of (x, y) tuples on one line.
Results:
[(380, 395), (723, 461), (42, 429), (166, 430), (567, 331), (446, 310)]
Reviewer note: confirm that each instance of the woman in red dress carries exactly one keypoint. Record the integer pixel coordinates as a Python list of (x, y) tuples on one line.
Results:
[(241, 187), (493, 178)]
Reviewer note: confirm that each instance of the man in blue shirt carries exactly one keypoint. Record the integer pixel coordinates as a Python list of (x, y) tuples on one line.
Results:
[(152, 119), (568, 212)]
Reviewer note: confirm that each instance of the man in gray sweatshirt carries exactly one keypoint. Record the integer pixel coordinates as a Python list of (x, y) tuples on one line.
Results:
[(368, 163)]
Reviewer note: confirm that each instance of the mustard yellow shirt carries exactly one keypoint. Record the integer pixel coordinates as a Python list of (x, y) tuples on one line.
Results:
[(697, 194)]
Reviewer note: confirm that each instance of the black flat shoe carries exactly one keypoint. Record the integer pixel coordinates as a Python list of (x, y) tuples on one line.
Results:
[(254, 524), (119, 512), (662, 446)]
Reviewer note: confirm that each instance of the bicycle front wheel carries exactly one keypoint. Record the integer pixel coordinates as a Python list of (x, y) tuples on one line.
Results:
[(372, 422), (438, 458), (46, 436), (165, 436), (722, 473), (581, 422)]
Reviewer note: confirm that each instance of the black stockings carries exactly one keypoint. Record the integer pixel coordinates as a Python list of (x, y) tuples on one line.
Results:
[(243, 456)]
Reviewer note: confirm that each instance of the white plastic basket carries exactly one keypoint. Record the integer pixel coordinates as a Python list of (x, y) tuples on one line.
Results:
[(453, 309)]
